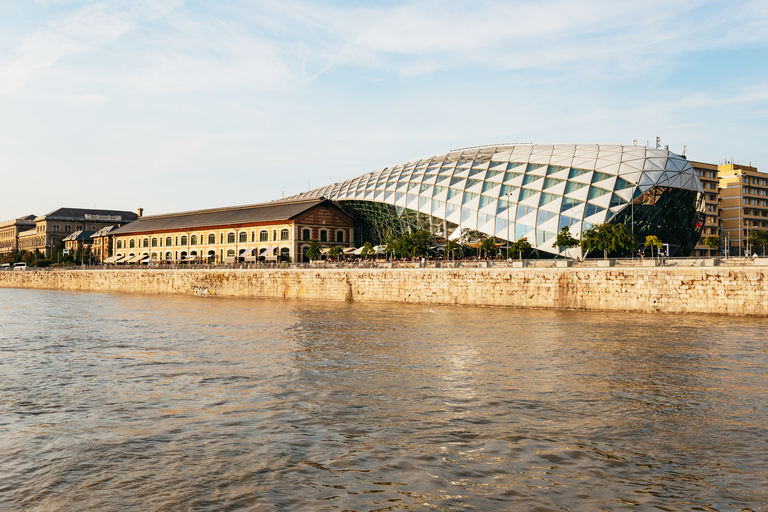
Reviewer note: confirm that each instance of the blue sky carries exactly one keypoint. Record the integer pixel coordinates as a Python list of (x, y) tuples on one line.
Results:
[(175, 105)]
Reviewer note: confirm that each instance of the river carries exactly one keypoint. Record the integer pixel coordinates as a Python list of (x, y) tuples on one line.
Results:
[(134, 402)]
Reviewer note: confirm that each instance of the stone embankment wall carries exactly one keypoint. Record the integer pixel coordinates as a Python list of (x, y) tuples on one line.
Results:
[(713, 290)]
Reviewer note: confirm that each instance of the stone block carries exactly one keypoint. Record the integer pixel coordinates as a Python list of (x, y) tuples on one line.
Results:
[(650, 263), (519, 264), (564, 263), (606, 263)]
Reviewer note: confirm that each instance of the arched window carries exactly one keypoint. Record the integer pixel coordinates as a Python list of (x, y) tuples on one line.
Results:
[(168, 242), (183, 239), (211, 238), (231, 253), (263, 236), (154, 255), (339, 236), (132, 243), (253, 236), (119, 244), (323, 236), (305, 235), (154, 243), (284, 234), (193, 240), (168, 256), (243, 237), (230, 238), (145, 242)]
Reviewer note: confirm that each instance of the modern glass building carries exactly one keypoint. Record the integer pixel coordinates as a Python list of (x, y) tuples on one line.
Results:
[(532, 191)]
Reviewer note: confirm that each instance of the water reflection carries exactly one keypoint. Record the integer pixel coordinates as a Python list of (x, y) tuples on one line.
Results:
[(153, 403)]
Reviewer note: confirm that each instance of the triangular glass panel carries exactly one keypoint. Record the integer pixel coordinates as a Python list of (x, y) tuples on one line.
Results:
[(530, 179), (616, 201), (492, 174), (506, 189), (488, 185), (555, 169), (472, 183), (600, 176), (569, 203), (512, 165), (468, 196), (551, 182), (573, 186), (511, 175), (621, 184), (548, 198), (486, 200), (498, 166), (475, 172), (595, 192), (544, 216), (592, 209), (566, 221), (577, 172)]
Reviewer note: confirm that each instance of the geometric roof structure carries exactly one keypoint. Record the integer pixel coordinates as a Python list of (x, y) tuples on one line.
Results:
[(528, 190)]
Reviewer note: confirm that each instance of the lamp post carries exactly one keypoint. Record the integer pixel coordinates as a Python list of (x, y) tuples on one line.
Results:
[(507, 195)]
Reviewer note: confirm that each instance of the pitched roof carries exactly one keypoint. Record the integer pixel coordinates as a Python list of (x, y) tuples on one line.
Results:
[(79, 235), (103, 231), (227, 216), (80, 213)]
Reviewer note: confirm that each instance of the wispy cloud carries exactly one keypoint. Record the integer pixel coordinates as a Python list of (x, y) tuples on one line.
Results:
[(84, 29)]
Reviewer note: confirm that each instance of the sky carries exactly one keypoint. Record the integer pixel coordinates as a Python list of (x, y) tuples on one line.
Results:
[(174, 105)]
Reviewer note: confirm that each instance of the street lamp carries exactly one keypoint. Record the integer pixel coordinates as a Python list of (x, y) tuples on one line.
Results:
[(508, 195)]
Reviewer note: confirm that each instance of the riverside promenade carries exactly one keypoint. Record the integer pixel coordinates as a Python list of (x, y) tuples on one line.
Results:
[(733, 287)]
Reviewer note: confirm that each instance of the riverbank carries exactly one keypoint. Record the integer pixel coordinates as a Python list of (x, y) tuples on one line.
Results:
[(706, 290)]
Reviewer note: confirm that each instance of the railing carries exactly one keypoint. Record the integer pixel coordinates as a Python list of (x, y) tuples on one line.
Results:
[(433, 264)]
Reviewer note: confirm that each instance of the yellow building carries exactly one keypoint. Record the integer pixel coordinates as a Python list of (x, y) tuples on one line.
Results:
[(10, 231), (279, 230), (737, 203)]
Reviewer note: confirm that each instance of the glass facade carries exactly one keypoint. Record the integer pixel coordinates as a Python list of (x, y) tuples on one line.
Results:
[(529, 191)]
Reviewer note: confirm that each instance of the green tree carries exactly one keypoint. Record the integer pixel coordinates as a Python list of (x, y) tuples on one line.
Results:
[(335, 252), (451, 246), (607, 238), (488, 246), (314, 251), (653, 241), (564, 239), (368, 250), (715, 243), (522, 247), (759, 238)]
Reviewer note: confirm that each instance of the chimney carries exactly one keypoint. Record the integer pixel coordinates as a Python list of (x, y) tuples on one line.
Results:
[(140, 212)]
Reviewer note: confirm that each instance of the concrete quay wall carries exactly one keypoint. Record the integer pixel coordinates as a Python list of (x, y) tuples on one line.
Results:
[(710, 290)]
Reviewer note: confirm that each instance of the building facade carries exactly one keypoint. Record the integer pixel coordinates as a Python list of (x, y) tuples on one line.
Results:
[(531, 191), (45, 231), (276, 231), (736, 198), (10, 231)]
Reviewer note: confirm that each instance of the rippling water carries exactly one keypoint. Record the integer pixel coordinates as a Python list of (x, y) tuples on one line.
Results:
[(130, 402)]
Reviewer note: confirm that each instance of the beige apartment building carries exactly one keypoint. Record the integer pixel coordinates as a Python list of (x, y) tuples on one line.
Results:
[(41, 233), (736, 199), (280, 230), (10, 231)]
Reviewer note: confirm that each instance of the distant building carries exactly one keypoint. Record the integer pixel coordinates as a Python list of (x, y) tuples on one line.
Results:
[(280, 230), (101, 247), (78, 240), (10, 231), (529, 190), (52, 227), (736, 199)]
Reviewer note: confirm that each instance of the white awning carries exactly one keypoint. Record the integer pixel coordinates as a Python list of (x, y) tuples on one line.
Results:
[(268, 250), (247, 252), (133, 259), (113, 259)]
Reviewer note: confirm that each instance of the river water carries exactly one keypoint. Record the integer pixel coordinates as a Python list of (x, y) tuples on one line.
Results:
[(133, 402)]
